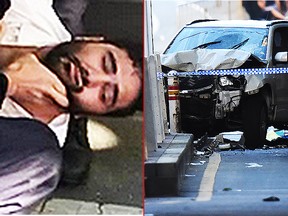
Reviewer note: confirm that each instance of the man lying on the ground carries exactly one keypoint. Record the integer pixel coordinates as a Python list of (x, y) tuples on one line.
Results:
[(35, 23), (99, 78)]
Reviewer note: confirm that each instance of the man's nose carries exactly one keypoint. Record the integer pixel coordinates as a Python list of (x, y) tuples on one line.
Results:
[(103, 77)]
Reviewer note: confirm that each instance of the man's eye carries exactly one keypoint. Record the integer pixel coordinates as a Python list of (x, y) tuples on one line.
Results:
[(66, 63), (110, 63), (108, 95)]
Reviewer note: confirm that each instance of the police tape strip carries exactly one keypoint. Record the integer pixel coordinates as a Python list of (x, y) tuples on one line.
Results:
[(250, 71)]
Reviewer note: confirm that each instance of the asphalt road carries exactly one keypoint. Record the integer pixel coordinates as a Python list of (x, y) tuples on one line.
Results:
[(230, 183)]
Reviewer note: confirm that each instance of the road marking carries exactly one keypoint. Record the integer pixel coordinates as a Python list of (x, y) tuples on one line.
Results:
[(252, 165), (208, 180)]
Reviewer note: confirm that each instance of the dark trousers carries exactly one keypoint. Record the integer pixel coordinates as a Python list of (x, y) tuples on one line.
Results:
[(71, 14), (30, 164)]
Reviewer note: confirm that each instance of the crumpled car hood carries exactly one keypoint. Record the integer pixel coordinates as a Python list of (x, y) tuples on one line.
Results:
[(205, 59)]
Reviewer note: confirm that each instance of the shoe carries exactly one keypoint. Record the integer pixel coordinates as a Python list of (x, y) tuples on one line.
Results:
[(77, 155)]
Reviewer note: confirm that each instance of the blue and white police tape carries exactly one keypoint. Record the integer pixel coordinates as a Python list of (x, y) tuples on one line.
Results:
[(223, 72)]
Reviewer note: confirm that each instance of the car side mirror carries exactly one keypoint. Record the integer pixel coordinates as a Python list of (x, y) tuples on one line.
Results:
[(281, 57)]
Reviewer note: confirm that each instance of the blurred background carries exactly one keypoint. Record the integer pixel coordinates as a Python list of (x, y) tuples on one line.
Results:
[(162, 12)]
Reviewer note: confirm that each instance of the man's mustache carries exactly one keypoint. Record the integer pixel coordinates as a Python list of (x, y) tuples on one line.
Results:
[(66, 62)]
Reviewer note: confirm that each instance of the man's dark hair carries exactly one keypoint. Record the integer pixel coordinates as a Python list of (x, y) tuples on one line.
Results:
[(4, 6), (135, 53)]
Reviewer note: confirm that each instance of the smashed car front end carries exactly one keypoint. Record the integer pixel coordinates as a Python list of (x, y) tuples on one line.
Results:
[(212, 102)]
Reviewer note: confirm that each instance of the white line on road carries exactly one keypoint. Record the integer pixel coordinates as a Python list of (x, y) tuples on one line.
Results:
[(208, 180), (252, 165)]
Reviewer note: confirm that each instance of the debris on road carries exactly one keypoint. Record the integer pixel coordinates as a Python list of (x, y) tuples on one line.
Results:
[(271, 134), (224, 146), (223, 141), (206, 144), (201, 143), (231, 140), (235, 140), (276, 138), (188, 175), (198, 164), (227, 189), (271, 199), (200, 153)]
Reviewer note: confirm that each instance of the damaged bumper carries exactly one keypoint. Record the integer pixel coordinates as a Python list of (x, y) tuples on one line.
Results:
[(206, 99)]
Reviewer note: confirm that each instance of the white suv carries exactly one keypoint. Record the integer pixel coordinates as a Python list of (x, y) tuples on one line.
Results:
[(236, 101)]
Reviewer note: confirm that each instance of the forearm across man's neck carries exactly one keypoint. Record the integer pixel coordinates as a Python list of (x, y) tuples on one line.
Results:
[(10, 53)]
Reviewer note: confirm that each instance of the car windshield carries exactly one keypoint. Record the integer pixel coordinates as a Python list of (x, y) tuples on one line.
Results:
[(252, 40)]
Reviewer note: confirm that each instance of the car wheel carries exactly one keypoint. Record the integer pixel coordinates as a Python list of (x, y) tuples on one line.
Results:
[(255, 119)]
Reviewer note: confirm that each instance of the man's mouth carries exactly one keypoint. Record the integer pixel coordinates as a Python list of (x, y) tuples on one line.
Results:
[(77, 74)]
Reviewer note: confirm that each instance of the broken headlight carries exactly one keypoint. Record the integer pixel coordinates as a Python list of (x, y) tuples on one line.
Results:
[(225, 81)]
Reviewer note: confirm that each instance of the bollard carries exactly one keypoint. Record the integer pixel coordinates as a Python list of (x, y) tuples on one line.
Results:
[(174, 104)]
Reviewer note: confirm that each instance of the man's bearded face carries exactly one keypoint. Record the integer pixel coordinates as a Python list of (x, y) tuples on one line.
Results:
[(99, 77)]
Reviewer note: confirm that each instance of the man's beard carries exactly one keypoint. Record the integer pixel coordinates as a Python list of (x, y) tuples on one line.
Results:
[(59, 61)]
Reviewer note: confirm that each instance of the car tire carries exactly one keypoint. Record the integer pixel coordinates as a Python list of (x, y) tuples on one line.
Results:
[(255, 117)]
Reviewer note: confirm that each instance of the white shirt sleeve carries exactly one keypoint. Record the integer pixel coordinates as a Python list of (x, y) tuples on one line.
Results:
[(33, 22)]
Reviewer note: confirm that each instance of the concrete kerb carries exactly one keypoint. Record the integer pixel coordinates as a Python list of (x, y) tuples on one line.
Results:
[(164, 172)]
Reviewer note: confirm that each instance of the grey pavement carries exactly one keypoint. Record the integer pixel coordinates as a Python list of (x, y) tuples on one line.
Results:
[(74, 207), (114, 183)]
